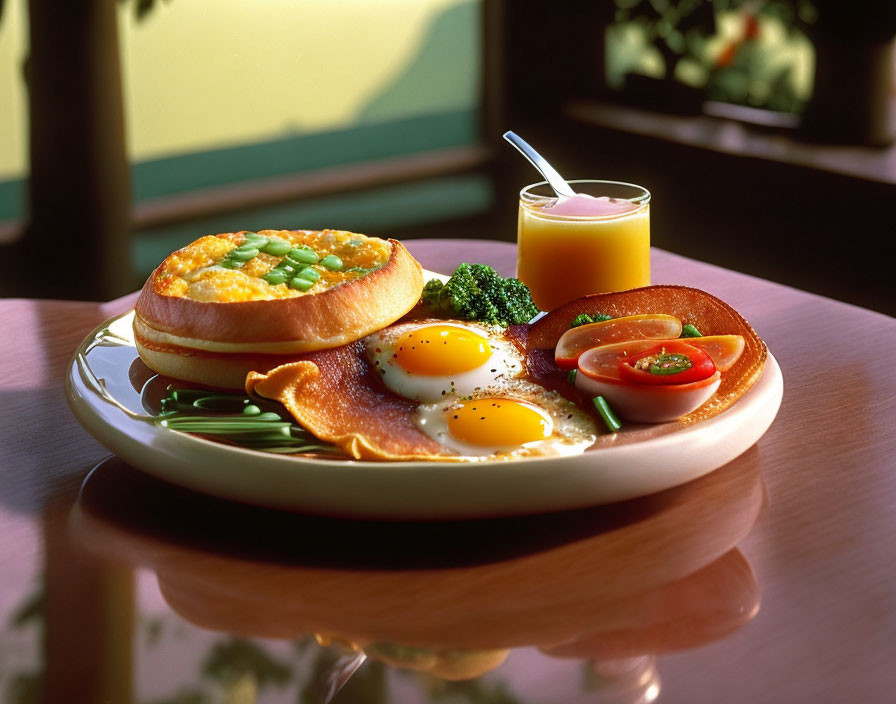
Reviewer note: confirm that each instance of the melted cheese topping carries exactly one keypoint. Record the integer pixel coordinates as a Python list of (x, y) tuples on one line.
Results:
[(195, 272)]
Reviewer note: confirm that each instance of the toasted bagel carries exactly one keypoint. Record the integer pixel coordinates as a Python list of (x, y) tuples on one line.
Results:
[(199, 321), (217, 370)]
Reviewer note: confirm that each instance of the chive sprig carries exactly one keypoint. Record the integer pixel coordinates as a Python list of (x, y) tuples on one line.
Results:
[(236, 419)]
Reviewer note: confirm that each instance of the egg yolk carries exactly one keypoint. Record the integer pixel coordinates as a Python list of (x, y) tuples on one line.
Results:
[(436, 350), (498, 422)]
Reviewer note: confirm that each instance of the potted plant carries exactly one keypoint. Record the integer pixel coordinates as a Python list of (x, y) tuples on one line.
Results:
[(670, 35)]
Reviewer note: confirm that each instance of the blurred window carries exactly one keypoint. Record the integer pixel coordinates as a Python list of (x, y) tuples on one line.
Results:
[(234, 91)]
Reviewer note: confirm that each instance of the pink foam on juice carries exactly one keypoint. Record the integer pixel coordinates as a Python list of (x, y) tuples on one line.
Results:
[(581, 205), (582, 245)]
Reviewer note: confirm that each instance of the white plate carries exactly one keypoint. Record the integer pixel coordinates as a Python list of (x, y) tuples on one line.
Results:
[(102, 396)]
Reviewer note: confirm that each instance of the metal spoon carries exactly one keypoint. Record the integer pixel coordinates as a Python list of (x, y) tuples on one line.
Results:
[(341, 672), (555, 180)]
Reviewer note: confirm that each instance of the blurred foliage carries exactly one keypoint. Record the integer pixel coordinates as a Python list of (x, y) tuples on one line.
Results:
[(677, 30), (229, 660), (236, 670), (795, 15), (752, 76), (737, 51)]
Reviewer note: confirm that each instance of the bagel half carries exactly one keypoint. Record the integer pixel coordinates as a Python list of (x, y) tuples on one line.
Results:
[(198, 322)]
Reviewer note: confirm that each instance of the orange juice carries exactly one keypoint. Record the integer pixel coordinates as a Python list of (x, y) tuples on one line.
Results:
[(595, 242)]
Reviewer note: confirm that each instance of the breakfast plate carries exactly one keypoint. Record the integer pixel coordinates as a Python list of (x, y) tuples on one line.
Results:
[(105, 386)]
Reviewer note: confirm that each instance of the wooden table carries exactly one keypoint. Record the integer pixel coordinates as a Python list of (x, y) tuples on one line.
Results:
[(770, 580)]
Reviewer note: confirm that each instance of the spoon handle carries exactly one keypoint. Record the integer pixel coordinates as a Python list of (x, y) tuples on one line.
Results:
[(555, 180)]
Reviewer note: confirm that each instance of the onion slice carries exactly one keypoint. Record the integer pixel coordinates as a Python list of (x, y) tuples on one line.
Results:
[(650, 404), (577, 340), (598, 375)]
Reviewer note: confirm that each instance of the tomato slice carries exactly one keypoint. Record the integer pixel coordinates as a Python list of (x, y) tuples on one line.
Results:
[(725, 350), (600, 375), (670, 363), (603, 361), (577, 340)]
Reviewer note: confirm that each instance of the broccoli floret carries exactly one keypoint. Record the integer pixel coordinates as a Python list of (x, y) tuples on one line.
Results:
[(432, 295), (486, 301), (478, 292), (454, 298), (517, 302), (585, 319)]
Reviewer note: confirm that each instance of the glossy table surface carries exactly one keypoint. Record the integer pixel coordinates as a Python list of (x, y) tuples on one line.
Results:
[(771, 579)]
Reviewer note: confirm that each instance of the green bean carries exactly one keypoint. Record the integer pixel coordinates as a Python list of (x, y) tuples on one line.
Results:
[(302, 255), (222, 425), (690, 331), (331, 262), (187, 395), (263, 434), (277, 247), (287, 449), (269, 416), (238, 418), (301, 284), (220, 403), (247, 426), (310, 273), (606, 413), (275, 277), (243, 255)]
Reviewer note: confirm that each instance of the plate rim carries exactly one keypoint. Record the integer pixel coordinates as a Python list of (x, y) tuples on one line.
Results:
[(91, 410)]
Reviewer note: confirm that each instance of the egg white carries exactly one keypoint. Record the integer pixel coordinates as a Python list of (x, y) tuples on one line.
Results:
[(505, 362), (571, 430)]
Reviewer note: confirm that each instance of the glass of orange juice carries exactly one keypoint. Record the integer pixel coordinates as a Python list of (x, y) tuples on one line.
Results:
[(594, 242)]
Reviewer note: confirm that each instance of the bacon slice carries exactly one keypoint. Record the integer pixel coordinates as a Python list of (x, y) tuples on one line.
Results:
[(337, 396)]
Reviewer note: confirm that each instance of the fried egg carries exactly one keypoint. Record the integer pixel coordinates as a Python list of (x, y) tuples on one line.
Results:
[(451, 391), (513, 419), (431, 360)]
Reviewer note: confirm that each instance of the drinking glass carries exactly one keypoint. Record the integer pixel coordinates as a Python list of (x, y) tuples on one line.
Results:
[(597, 242)]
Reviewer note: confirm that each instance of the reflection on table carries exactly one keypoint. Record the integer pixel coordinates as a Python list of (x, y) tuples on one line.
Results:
[(467, 608)]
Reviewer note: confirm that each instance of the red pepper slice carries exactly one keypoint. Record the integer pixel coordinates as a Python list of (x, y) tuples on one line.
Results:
[(671, 363)]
